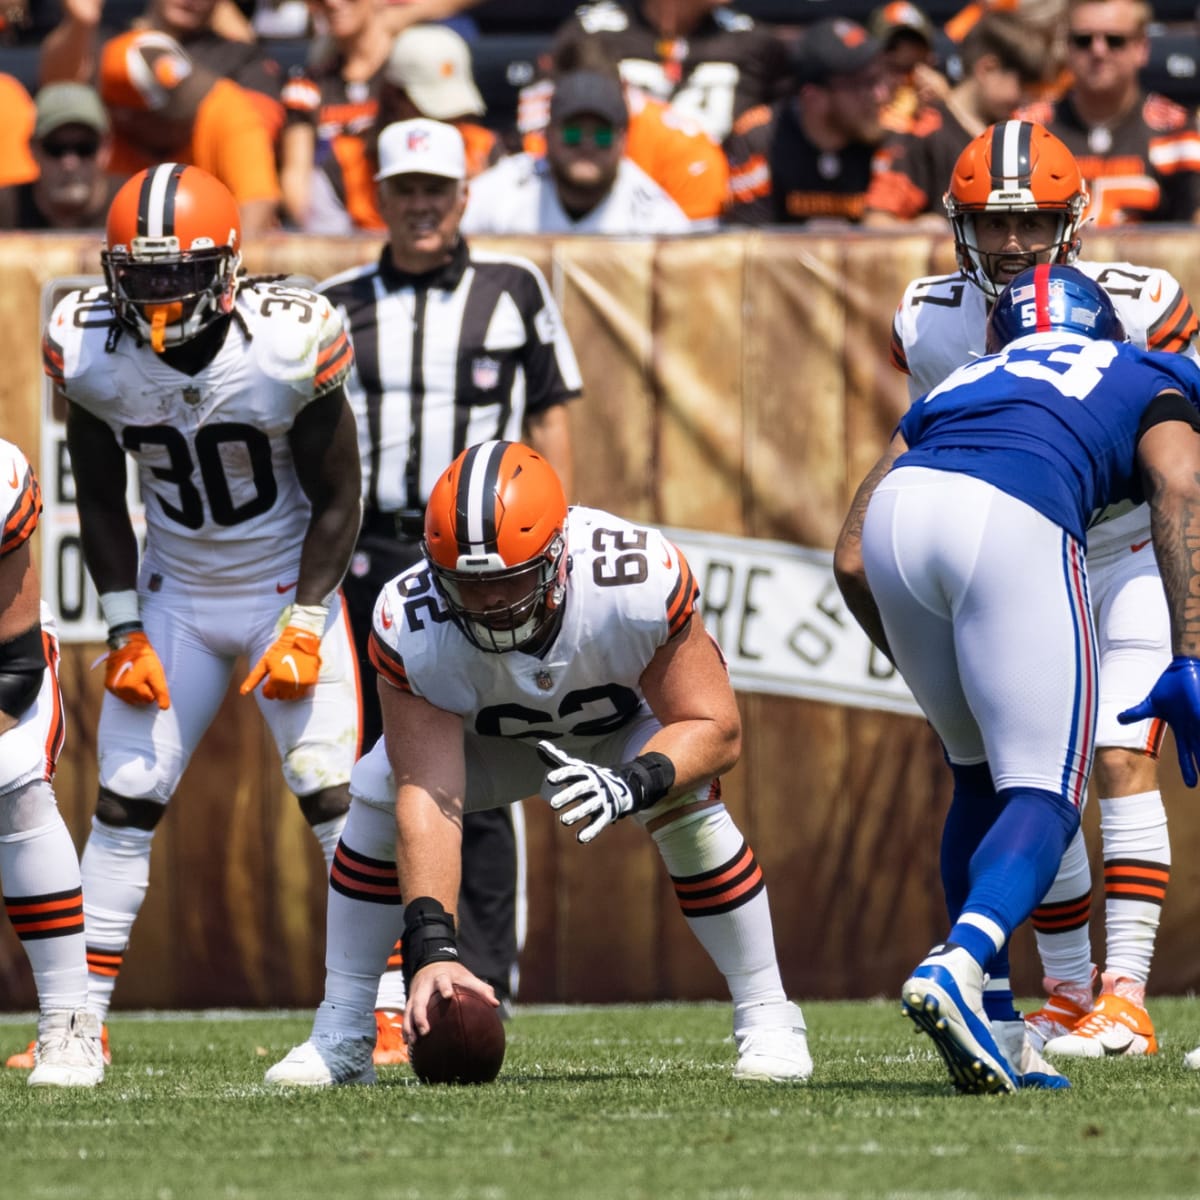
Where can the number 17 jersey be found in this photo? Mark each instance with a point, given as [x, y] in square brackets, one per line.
[222, 498]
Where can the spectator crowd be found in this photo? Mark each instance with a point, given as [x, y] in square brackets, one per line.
[663, 117]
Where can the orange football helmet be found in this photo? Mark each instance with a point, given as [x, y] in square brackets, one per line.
[172, 251]
[495, 536]
[1014, 166]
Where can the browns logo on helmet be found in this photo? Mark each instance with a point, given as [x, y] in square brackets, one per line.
[495, 537]
[1014, 167]
[172, 250]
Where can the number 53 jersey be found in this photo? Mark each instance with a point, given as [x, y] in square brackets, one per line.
[223, 501]
[629, 591]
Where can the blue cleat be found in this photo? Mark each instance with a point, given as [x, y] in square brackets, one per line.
[944, 998]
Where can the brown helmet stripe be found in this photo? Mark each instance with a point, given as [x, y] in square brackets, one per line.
[156, 200]
[475, 498]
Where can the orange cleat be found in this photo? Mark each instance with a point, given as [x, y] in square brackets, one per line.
[23, 1059]
[391, 1050]
[1056, 1018]
[1116, 1026]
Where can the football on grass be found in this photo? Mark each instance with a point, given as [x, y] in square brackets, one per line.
[465, 1042]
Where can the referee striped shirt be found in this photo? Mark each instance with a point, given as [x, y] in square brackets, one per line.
[445, 360]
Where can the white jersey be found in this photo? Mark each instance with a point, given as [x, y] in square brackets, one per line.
[941, 323]
[222, 497]
[518, 195]
[629, 591]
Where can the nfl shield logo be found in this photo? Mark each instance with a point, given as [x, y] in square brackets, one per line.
[191, 396]
[485, 373]
[544, 680]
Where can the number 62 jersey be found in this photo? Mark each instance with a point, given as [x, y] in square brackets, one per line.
[629, 591]
[223, 501]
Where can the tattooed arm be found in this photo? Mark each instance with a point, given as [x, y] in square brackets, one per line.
[848, 566]
[1169, 455]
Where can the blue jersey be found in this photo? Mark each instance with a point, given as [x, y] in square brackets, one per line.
[1052, 419]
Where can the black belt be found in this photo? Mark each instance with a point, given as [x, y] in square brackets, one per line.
[403, 523]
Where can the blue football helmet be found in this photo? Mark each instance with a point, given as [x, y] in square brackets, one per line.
[1051, 298]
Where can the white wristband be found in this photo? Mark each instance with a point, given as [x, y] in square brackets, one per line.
[309, 617]
[120, 608]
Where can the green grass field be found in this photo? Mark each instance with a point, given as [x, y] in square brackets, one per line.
[626, 1102]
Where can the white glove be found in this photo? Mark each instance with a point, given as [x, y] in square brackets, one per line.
[596, 792]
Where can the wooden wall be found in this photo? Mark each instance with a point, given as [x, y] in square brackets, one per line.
[735, 383]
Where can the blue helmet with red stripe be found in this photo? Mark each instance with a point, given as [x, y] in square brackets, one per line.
[1051, 298]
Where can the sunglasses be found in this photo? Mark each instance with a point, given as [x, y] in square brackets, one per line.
[603, 136]
[87, 149]
[1114, 41]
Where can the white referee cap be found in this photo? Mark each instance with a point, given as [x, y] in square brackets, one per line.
[421, 147]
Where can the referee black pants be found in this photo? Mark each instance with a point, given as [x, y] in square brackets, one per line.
[487, 929]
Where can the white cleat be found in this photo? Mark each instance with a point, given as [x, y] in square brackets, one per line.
[326, 1060]
[775, 1053]
[1191, 1060]
[68, 1051]
[1032, 1070]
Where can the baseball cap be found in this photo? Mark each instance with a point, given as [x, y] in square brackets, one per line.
[589, 93]
[60, 104]
[900, 16]
[432, 64]
[835, 46]
[149, 71]
[421, 147]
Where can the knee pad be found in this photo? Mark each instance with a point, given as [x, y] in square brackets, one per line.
[27, 808]
[122, 812]
[326, 805]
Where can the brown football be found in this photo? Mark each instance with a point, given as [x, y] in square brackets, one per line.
[465, 1042]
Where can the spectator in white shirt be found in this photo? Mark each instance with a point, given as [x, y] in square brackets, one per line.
[584, 184]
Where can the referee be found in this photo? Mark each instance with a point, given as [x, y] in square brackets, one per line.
[452, 347]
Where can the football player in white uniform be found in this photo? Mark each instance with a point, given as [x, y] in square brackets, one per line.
[530, 638]
[38, 865]
[228, 394]
[1016, 198]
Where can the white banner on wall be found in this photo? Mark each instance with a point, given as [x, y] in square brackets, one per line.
[777, 613]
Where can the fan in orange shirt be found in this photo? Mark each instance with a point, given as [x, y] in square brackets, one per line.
[164, 107]
[670, 147]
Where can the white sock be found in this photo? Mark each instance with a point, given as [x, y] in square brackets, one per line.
[364, 917]
[116, 873]
[720, 890]
[1137, 867]
[40, 874]
[1060, 922]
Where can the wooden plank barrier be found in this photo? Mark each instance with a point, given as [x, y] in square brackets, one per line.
[738, 384]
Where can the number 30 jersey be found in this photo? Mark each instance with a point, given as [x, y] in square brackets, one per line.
[628, 592]
[223, 501]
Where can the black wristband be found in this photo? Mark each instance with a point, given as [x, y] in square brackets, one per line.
[118, 635]
[428, 936]
[650, 777]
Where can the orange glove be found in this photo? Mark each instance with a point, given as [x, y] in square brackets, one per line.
[133, 673]
[290, 666]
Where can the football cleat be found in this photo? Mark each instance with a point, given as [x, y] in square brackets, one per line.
[68, 1051]
[25, 1060]
[777, 1052]
[944, 998]
[325, 1060]
[1032, 1070]
[391, 1050]
[1191, 1060]
[1116, 1026]
[1056, 1018]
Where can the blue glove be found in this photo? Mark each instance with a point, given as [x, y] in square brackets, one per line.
[1175, 698]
